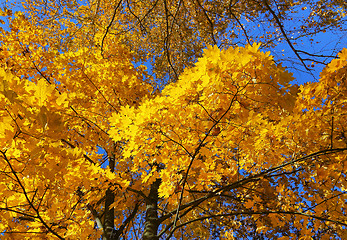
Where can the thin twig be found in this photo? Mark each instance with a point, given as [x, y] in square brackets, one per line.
[109, 26]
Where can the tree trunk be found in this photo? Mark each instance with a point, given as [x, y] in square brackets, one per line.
[109, 199]
[151, 224]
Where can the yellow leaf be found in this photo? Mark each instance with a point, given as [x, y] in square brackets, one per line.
[62, 100]
[43, 91]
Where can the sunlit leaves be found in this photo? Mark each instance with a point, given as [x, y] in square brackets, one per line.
[211, 103]
[231, 148]
[53, 111]
[235, 114]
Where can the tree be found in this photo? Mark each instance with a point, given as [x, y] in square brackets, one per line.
[229, 149]
[170, 34]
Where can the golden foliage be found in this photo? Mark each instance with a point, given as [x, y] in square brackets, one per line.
[231, 147]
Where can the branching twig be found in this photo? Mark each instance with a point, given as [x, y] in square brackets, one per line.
[258, 213]
[280, 25]
[27, 198]
[109, 26]
[167, 40]
[197, 150]
[209, 21]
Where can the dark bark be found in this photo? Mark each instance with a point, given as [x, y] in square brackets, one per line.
[109, 216]
[152, 223]
[109, 199]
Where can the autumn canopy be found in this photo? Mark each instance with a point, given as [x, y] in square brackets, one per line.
[171, 120]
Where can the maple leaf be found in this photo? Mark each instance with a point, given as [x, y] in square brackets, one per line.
[225, 147]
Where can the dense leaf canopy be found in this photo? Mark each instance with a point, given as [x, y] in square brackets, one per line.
[227, 146]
